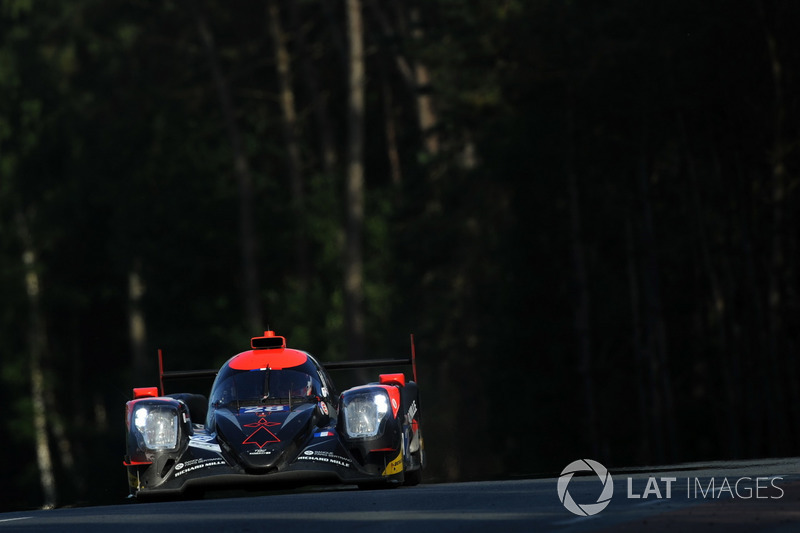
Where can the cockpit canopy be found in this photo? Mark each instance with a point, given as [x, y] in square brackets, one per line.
[243, 388]
[268, 375]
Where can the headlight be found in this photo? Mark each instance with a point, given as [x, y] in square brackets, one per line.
[363, 414]
[158, 426]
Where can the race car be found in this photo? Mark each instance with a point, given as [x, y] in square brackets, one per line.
[273, 418]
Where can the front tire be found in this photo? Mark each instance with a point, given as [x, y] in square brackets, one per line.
[413, 477]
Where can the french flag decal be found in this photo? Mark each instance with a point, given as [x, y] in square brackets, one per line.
[324, 434]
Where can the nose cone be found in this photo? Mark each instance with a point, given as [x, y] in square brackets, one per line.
[264, 435]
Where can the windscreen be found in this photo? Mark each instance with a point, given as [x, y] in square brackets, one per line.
[264, 387]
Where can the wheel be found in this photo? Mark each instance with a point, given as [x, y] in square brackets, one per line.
[413, 477]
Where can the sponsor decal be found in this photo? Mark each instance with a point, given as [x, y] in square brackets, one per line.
[196, 464]
[324, 387]
[261, 436]
[395, 466]
[262, 409]
[259, 451]
[412, 410]
[325, 457]
[324, 408]
[324, 453]
[133, 481]
[204, 442]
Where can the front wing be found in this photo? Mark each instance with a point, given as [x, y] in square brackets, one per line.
[203, 466]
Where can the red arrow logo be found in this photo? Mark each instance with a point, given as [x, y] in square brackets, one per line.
[261, 436]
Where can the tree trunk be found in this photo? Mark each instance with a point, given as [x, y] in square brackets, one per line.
[416, 77]
[251, 288]
[581, 318]
[317, 97]
[639, 352]
[776, 348]
[64, 444]
[354, 189]
[655, 334]
[390, 130]
[426, 111]
[37, 344]
[727, 360]
[755, 317]
[290, 137]
[136, 324]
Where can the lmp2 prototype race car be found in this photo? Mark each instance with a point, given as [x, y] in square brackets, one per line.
[273, 418]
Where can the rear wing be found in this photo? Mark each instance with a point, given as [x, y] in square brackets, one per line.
[180, 374]
[335, 365]
[368, 363]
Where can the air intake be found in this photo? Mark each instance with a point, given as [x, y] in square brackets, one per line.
[269, 341]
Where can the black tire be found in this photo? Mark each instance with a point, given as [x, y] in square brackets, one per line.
[413, 477]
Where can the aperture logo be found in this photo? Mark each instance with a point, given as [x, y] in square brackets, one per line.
[644, 489]
[585, 509]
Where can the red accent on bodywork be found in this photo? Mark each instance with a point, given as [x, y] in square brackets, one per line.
[262, 440]
[383, 450]
[269, 334]
[145, 392]
[393, 379]
[391, 390]
[272, 359]
[394, 398]
[136, 463]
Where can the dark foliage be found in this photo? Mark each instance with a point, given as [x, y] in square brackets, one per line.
[595, 243]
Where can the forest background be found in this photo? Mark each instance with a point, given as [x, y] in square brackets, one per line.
[585, 211]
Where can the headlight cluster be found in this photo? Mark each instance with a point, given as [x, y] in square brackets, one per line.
[158, 426]
[363, 414]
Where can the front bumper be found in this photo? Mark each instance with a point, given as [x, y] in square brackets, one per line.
[204, 466]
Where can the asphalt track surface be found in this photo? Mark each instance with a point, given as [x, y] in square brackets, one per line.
[727, 496]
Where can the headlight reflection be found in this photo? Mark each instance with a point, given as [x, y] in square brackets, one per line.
[158, 426]
[363, 414]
